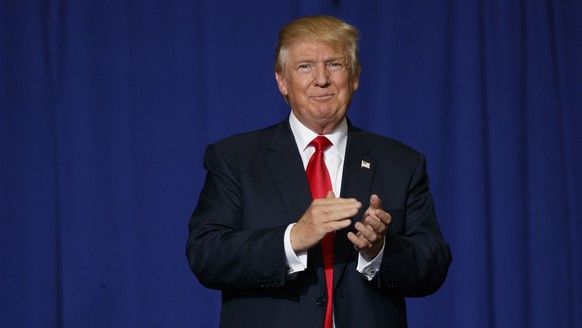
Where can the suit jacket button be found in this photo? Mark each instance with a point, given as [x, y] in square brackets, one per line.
[320, 301]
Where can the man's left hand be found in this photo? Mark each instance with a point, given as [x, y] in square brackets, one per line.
[372, 229]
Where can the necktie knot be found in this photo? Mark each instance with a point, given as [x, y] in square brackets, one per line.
[320, 143]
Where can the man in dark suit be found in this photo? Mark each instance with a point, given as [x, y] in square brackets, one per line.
[257, 232]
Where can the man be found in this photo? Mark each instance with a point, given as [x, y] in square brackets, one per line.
[280, 227]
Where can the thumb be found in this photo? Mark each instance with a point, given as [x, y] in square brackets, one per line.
[375, 202]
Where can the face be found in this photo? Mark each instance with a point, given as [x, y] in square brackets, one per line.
[317, 81]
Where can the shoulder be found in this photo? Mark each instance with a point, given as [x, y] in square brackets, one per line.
[385, 151]
[244, 140]
[379, 143]
[251, 144]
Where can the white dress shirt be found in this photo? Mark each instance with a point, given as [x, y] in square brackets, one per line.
[334, 160]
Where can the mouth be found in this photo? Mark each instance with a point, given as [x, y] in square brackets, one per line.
[323, 97]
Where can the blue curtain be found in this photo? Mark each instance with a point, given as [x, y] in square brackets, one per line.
[106, 107]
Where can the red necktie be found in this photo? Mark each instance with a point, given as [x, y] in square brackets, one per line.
[320, 185]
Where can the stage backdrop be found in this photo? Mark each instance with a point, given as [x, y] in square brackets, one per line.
[108, 105]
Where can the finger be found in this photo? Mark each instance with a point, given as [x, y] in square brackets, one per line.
[378, 214]
[358, 242]
[338, 214]
[328, 204]
[331, 204]
[338, 225]
[375, 205]
[331, 201]
[320, 216]
[330, 194]
[376, 224]
[383, 216]
[366, 232]
[375, 202]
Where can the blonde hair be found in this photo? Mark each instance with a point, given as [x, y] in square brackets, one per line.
[320, 28]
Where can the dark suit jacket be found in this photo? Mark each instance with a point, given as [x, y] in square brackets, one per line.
[256, 186]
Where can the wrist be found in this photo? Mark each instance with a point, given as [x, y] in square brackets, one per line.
[295, 240]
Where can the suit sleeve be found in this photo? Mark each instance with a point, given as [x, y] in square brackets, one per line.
[416, 257]
[220, 252]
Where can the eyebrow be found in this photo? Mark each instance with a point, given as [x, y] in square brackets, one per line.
[312, 60]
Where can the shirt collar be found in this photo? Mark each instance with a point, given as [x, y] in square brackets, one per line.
[303, 135]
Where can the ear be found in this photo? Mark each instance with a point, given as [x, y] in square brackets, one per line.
[355, 84]
[281, 83]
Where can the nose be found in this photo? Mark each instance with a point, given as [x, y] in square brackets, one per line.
[321, 77]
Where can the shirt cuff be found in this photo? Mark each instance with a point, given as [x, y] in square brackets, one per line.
[295, 262]
[369, 267]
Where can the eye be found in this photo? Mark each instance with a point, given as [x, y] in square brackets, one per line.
[305, 67]
[335, 65]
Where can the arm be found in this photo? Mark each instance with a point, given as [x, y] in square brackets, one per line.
[415, 258]
[220, 252]
[415, 261]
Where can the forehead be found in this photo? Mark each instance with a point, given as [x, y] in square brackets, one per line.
[310, 49]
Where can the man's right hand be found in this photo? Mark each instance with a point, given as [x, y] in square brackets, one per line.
[323, 216]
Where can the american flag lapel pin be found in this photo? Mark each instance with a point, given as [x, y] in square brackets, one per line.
[365, 165]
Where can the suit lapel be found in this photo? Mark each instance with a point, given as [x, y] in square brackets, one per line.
[287, 169]
[358, 174]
